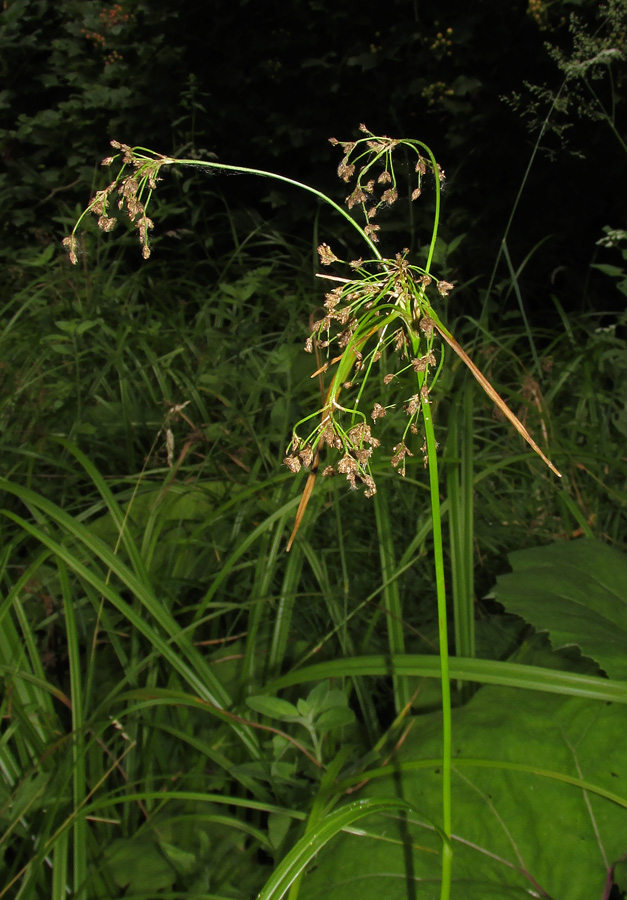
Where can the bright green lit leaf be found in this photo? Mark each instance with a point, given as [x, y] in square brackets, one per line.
[335, 699]
[318, 695]
[303, 708]
[273, 707]
[511, 825]
[575, 591]
[335, 718]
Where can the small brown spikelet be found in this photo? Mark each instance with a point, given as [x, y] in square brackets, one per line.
[106, 223]
[427, 325]
[371, 488]
[345, 170]
[412, 407]
[327, 256]
[358, 196]
[292, 463]
[400, 452]
[306, 456]
[378, 411]
[371, 232]
[390, 196]
[71, 245]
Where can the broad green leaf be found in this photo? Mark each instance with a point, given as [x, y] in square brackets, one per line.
[335, 699]
[318, 694]
[335, 718]
[138, 865]
[522, 825]
[303, 708]
[273, 707]
[577, 592]
[278, 827]
[182, 860]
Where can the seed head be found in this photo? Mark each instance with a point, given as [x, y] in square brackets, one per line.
[413, 406]
[105, 223]
[306, 456]
[427, 325]
[358, 196]
[422, 364]
[346, 170]
[71, 245]
[292, 463]
[421, 166]
[371, 488]
[378, 411]
[371, 232]
[400, 452]
[327, 256]
[390, 196]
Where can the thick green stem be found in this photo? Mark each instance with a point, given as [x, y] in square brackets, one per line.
[438, 558]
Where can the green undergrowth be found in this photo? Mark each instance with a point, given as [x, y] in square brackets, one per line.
[191, 712]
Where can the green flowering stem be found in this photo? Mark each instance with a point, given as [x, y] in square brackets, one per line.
[246, 170]
[438, 558]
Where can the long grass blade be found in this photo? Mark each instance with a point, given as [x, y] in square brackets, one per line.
[481, 671]
[183, 657]
[313, 841]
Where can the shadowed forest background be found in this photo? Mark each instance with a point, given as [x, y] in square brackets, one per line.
[189, 711]
[267, 85]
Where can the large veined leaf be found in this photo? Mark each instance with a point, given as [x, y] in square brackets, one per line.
[577, 592]
[517, 831]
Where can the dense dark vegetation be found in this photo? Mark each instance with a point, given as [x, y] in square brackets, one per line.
[165, 731]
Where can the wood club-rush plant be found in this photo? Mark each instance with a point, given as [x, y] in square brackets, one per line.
[378, 312]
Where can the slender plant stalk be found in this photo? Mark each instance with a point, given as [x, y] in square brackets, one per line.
[438, 558]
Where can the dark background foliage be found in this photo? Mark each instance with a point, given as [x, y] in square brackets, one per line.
[267, 83]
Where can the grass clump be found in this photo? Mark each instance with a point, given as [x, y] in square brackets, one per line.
[203, 706]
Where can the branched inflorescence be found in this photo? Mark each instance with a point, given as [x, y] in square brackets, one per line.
[133, 190]
[381, 310]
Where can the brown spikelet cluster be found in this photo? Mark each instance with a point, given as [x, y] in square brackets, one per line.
[381, 308]
[372, 194]
[130, 191]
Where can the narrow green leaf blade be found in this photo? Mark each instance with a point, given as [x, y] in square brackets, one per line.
[312, 842]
